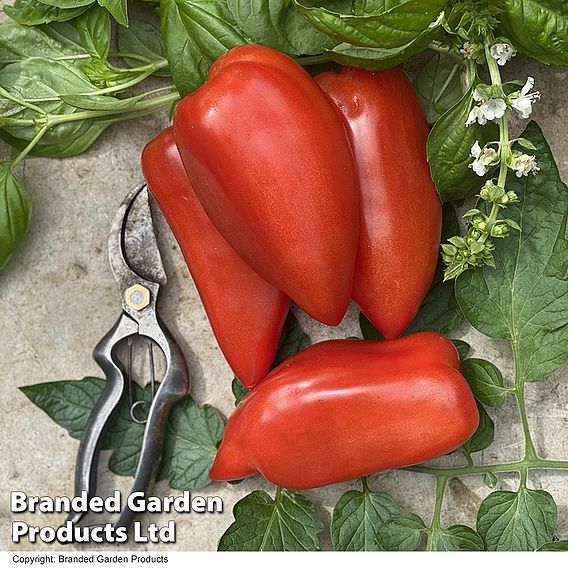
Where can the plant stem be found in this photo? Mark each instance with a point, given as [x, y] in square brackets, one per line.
[436, 516]
[313, 59]
[365, 485]
[30, 146]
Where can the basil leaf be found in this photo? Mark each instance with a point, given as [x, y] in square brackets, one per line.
[117, 8]
[462, 347]
[195, 35]
[404, 532]
[485, 381]
[358, 516]
[94, 30]
[277, 24]
[448, 150]
[438, 86]
[457, 537]
[517, 521]
[537, 28]
[22, 42]
[439, 311]
[239, 390]
[483, 436]
[393, 28]
[66, 34]
[141, 38]
[66, 4]
[555, 546]
[525, 299]
[193, 435]
[377, 58]
[262, 523]
[15, 213]
[84, 138]
[34, 12]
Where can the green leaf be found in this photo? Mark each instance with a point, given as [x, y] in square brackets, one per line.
[448, 150]
[525, 299]
[288, 522]
[292, 340]
[67, 4]
[195, 35]
[538, 28]
[15, 212]
[239, 390]
[141, 38]
[403, 532]
[555, 546]
[117, 8]
[439, 311]
[277, 24]
[462, 347]
[99, 102]
[193, 435]
[34, 12]
[457, 537]
[84, 139]
[517, 521]
[22, 42]
[377, 58]
[438, 86]
[358, 516]
[485, 381]
[393, 28]
[483, 436]
[94, 30]
[490, 479]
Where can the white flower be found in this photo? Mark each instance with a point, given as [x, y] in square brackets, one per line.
[493, 108]
[477, 97]
[475, 116]
[483, 159]
[467, 50]
[524, 164]
[523, 103]
[502, 52]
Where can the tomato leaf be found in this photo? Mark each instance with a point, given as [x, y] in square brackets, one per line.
[525, 298]
[462, 347]
[396, 27]
[538, 28]
[555, 546]
[195, 35]
[438, 86]
[485, 381]
[15, 212]
[517, 521]
[483, 436]
[34, 12]
[192, 434]
[457, 537]
[358, 516]
[239, 390]
[288, 522]
[292, 340]
[279, 25]
[403, 532]
[448, 150]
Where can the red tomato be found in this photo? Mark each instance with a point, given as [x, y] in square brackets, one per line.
[246, 313]
[269, 159]
[342, 409]
[401, 213]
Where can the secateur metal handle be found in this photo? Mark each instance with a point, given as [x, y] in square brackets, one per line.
[139, 318]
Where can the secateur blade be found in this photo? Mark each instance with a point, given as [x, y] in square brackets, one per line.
[139, 273]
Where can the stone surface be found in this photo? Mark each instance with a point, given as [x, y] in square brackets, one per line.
[57, 299]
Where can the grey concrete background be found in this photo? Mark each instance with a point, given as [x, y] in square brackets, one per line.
[57, 298]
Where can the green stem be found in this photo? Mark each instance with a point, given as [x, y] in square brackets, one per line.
[447, 82]
[30, 146]
[313, 59]
[6, 94]
[436, 516]
[365, 485]
[439, 48]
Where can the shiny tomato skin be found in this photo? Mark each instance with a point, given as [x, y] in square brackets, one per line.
[342, 409]
[246, 313]
[269, 158]
[401, 213]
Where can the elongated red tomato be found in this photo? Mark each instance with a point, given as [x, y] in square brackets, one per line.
[246, 313]
[401, 213]
[269, 158]
[342, 409]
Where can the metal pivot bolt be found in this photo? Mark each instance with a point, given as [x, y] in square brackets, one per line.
[137, 297]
